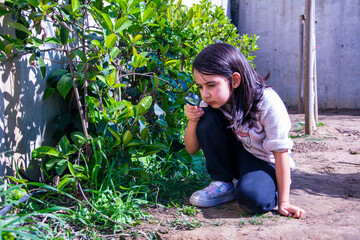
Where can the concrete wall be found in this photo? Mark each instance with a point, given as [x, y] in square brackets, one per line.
[24, 116]
[337, 40]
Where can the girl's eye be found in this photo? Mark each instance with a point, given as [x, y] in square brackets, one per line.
[211, 85]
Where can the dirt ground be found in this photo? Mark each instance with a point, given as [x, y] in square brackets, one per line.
[326, 184]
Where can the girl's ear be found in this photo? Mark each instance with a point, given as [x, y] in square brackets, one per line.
[236, 80]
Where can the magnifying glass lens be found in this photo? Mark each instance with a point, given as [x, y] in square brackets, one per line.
[192, 99]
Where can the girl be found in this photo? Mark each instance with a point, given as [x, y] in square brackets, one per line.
[242, 126]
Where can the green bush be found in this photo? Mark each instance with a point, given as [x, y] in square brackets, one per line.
[127, 69]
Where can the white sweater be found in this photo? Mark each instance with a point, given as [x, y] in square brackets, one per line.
[270, 132]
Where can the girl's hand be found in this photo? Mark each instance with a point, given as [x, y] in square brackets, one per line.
[289, 210]
[193, 112]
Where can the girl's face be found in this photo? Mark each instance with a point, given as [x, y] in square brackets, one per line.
[214, 89]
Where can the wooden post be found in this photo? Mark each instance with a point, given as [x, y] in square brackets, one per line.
[316, 111]
[309, 66]
[301, 64]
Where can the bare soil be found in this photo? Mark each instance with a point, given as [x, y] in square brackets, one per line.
[326, 183]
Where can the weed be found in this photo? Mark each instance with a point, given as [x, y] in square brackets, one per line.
[257, 220]
[320, 124]
[188, 210]
[299, 124]
[185, 223]
[216, 222]
[242, 222]
[300, 136]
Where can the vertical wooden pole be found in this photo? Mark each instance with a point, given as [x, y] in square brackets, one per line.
[316, 111]
[309, 67]
[313, 35]
[301, 64]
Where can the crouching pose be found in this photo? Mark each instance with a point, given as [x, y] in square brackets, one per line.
[242, 126]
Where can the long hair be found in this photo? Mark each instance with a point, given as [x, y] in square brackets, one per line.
[224, 59]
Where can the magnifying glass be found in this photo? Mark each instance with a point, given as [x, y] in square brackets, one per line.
[192, 99]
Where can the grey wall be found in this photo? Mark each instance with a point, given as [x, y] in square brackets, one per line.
[24, 117]
[337, 40]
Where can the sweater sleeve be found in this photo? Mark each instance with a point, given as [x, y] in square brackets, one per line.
[276, 122]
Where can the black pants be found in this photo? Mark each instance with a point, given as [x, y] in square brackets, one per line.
[226, 159]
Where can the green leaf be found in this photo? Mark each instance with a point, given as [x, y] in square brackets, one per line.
[19, 27]
[50, 164]
[108, 21]
[101, 78]
[32, 58]
[111, 40]
[171, 62]
[37, 41]
[148, 14]
[64, 145]
[119, 25]
[34, 3]
[164, 50]
[45, 150]
[81, 55]
[122, 25]
[127, 137]
[96, 43]
[144, 134]
[111, 78]
[64, 182]
[52, 40]
[78, 138]
[115, 134]
[143, 106]
[42, 67]
[151, 65]
[64, 85]
[71, 168]
[64, 35]
[75, 4]
[146, 102]
[48, 93]
[61, 166]
[119, 85]
[114, 52]
[8, 48]
[136, 38]
[115, 107]
[3, 12]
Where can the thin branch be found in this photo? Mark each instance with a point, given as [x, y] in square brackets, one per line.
[76, 91]
[86, 84]
[56, 61]
[53, 49]
[145, 75]
[80, 47]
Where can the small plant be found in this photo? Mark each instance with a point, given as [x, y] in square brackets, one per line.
[242, 222]
[185, 224]
[300, 136]
[218, 222]
[320, 124]
[257, 220]
[188, 210]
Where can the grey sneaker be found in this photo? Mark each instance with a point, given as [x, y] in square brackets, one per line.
[216, 193]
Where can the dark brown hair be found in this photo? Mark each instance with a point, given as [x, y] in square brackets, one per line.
[224, 59]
